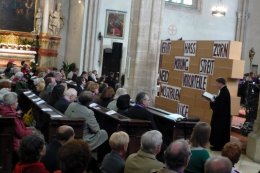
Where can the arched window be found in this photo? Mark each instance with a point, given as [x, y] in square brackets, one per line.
[191, 4]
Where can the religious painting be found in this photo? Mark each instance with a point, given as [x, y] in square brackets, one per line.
[17, 15]
[115, 23]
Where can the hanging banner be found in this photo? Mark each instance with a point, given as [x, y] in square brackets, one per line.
[190, 48]
[207, 66]
[163, 75]
[181, 63]
[220, 49]
[183, 110]
[195, 81]
[166, 47]
[170, 92]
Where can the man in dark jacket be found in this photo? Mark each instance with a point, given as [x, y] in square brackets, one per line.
[63, 103]
[139, 111]
[64, 134]
[221, 117]
[110, 80]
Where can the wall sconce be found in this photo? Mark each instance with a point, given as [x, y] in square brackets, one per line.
[219, 10]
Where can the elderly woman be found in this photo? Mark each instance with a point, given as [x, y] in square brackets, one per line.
[112, 105]
[92, 134]
[114, 161]
[199, 141]
[5, 87]
[39, 85]
[8, 109]
[19, 82]
[31, 150]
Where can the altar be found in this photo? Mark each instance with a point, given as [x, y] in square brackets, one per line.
[18, 47]
[17, 56]
[15, 48]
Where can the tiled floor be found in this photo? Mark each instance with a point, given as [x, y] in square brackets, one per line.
[245, 165]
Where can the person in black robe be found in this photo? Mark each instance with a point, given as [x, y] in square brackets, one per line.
[221, 117]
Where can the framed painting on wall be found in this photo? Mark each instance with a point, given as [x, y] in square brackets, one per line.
[115, 24]
[17, 15]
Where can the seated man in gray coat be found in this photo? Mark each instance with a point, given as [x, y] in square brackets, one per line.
[144, 160]
[92, 133]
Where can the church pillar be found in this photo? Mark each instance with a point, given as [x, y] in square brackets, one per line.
[241, 23]
[253, 142]
[45, 20]
[90, 32]
[144, 46]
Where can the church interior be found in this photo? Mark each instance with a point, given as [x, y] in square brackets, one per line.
[87, 67]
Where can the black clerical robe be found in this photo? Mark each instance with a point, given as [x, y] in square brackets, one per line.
[221, 119]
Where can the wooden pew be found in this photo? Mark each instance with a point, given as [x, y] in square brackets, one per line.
[76, 124]
[70, 83]
[170, 128]
[117, 122]
[7, 130]
[47, 118]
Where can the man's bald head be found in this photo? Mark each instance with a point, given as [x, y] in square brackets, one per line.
[65, 133]
[218, 165]
[177, 155]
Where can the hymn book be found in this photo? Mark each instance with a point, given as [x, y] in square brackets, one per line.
[209, 96]
[175, 117]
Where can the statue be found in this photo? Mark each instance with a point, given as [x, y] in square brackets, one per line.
[251, 56]
[56, 20]
[38, 21]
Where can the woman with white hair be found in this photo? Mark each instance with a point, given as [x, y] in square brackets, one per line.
[8, 109]
[112, 104]
[19, 82]
[18, 76]
[39, 84]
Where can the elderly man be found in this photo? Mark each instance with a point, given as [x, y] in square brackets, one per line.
[139, 111]
[92, 134]
[114, 161]
[177, 157]
[63, 103]
[144, 160]
[64, 134]
[218, 165]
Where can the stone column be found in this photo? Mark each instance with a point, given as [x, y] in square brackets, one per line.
[90, 35]
[241, 23]
[144, 46]
[253, 142]
[45, 20]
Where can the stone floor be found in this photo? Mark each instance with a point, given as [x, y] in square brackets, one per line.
[245, 165]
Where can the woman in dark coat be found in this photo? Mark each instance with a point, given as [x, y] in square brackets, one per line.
[221, 117]
[56, 94]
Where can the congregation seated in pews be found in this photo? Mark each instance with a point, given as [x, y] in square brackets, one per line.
[92, 110]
